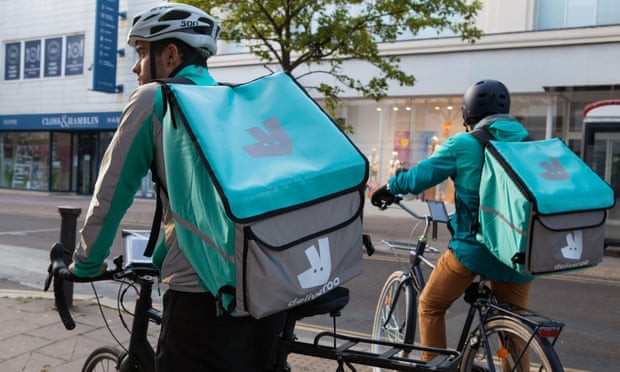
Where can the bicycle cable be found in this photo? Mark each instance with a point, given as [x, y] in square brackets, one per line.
[398, 258]
[107, 325]
[120, 301]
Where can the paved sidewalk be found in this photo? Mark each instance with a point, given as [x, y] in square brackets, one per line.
[33, 339]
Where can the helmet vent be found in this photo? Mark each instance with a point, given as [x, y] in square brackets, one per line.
[175, 15]
[149, 17]
[203, 30]
[157, 29]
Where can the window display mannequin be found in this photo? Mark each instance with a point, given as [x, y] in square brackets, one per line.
[395, 164]
[373, 162]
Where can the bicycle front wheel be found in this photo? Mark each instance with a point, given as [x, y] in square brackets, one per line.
[511, 347]
[103, 359]
[395, 316]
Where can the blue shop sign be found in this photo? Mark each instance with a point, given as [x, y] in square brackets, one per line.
[69, 121]
[106, 35]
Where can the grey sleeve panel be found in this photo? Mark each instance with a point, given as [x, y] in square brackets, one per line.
[125, 163]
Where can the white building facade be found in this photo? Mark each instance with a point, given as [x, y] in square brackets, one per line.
[555, 56]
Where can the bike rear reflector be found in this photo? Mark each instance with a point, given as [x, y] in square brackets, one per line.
[548, 332]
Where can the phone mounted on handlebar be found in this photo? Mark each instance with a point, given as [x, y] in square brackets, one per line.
[438, 211]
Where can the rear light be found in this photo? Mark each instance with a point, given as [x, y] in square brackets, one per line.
[549, 332]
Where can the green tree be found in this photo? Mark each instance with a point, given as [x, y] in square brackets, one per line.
[321, 34]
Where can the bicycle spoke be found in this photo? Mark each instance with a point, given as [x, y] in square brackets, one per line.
[509, 346]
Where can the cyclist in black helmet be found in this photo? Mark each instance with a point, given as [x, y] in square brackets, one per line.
[485, 104]
[171, 40]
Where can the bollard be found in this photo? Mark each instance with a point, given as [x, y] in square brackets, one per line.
[68, 226]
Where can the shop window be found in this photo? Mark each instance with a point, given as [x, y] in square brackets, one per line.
[25, 160]
[61, 162]
[554, 14]
[6, 159]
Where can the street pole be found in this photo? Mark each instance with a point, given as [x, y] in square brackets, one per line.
[68, 227]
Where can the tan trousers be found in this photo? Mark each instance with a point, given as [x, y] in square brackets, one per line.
[447, 283]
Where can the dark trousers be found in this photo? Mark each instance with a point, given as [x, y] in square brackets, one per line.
[193, 338]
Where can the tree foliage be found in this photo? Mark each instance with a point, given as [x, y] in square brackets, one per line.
[321, 34]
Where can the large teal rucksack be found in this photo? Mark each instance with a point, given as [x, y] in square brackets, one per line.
[542, 209]
[266, 193]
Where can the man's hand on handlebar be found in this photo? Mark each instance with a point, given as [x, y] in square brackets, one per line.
[382, 198]
[104, 268]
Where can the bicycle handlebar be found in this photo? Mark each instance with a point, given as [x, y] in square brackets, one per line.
[399, 198]
[58, 272]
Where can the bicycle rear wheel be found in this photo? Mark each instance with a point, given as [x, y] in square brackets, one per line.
[103, 359]
[395, 316]
[506, 341]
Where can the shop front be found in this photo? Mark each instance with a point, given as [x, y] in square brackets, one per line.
[399, 132]
[54, 152]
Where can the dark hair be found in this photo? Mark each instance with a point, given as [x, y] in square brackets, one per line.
[191, 56]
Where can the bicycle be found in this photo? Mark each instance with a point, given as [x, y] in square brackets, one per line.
[494, 335]
[343, 349]
[139, 355]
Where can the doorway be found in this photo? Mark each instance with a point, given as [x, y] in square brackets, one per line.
[86, 164]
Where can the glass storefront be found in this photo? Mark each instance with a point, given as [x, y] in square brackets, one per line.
[394, 133]
[400, 132]
[61, 162]
[52, 161]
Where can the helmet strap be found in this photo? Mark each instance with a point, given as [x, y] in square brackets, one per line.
[152, 58]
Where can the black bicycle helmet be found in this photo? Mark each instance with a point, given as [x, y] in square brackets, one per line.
[484, 98]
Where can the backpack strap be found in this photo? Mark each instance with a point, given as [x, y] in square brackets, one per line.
[483, 136]
[159, 186]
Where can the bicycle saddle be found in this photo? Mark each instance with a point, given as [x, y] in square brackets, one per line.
[331, 302]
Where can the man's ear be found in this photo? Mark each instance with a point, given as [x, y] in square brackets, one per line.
[172, 55]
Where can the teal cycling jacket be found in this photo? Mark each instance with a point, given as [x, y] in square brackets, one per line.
[460, 158]
[136, 145]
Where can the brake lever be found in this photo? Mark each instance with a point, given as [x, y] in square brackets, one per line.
[55, 253]
[48, 280]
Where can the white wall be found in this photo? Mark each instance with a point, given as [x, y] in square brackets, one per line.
[526, 61]
[41, 19]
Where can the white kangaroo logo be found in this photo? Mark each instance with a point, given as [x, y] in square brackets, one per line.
[320, 265]
[574, 247]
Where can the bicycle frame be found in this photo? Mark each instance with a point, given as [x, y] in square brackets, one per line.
[416, 256]
[340, 347]
[140, 351]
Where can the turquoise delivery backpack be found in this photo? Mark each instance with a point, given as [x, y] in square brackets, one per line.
[266, 193]
[542, 209]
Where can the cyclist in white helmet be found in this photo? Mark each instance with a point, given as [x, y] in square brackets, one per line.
[171, 40]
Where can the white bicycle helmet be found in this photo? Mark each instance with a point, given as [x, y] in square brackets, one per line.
[179, 21]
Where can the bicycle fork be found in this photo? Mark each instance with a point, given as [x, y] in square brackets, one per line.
[409, 336]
